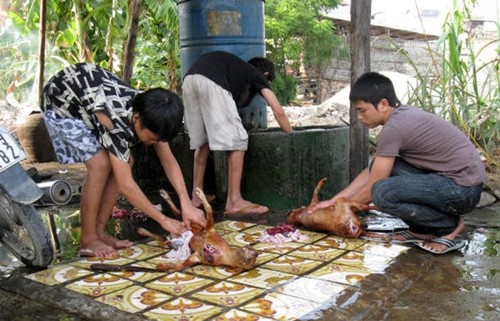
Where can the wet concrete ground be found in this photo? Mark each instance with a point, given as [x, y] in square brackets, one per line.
[463, 285]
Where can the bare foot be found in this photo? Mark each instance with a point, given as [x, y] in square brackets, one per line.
[97, 248]
[438, 248]
[114, 242]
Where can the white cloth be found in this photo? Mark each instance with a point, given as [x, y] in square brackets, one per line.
[281, 238]
[181, 252]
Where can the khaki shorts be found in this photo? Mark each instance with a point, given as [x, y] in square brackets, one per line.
[211, 116]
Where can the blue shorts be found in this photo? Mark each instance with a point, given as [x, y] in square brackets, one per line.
[73, 141]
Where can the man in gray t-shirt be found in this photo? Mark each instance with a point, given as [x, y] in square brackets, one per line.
[425, 170]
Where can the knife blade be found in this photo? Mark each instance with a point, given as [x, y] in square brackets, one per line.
[121, 268]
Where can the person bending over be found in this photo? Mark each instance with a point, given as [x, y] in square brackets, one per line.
[94, 117]
[214, 87]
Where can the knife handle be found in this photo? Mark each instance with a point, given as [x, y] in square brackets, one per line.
[105, 267]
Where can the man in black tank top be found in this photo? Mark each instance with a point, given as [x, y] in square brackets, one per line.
[214, 88]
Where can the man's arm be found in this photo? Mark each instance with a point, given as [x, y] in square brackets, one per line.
[381, 168]
[133, 193]
[360, 188]
[278, 111]
[174, 174]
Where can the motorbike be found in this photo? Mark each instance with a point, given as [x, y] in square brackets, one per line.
[22, 230]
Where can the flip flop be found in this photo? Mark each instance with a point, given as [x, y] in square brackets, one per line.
[86, 253]
[408, 238]
[246, 211]
[451, 245]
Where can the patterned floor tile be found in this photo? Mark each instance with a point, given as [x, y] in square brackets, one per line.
[99, 284]
[312, 236]
[233, 226]
[367, 261]
[87, 262]
[316, 290]
[280, 248]
[280, 307]
[58, 274]
[240, 239]
[341, 242]
[237, 315]
[258, 229]
[155, 243]
[383, 249]
[138, 276]
[141, 251]
[178, 283]
[134, 299]
[216, 272]
[265, 257]
[339, 273]
[291, 264]
[160, 259]
[184, 309]
[227, 294]
[290, 279]
[316, 252]
[262, 278]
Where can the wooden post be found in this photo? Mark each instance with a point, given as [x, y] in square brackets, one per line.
[41, 49]
[360, 63]
[135, 9]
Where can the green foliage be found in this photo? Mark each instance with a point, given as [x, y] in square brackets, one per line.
[95, 31]
[92, 31]
[157, 62]
[462, 84]
[285, 88]
[298, 33]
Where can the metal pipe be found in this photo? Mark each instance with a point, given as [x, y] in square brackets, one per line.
[55, 193]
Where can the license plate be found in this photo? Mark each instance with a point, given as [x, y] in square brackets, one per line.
[10, 152]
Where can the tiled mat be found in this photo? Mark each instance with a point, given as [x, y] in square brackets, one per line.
[289, 280]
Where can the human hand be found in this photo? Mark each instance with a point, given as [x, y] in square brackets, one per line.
[175, 227]
[320, 205]
[192, 214]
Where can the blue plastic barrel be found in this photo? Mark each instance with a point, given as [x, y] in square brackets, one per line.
[235, 26]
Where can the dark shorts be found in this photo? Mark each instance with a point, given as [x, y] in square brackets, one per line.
[73, 141]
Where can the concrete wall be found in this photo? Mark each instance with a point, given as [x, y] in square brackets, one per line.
[385, 56]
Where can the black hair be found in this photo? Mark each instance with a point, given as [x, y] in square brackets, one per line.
[372, 87]
[161, 111]
[265, 66]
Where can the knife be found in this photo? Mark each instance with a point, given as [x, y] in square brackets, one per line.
[121, 268]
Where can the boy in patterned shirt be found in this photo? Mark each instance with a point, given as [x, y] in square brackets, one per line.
[94, 117]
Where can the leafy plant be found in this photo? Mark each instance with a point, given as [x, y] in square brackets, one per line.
[91, 31]
[158, 61]
[462, 83]
[297, 33]
[285, 87]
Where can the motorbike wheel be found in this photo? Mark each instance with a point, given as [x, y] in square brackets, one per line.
[24, 234]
